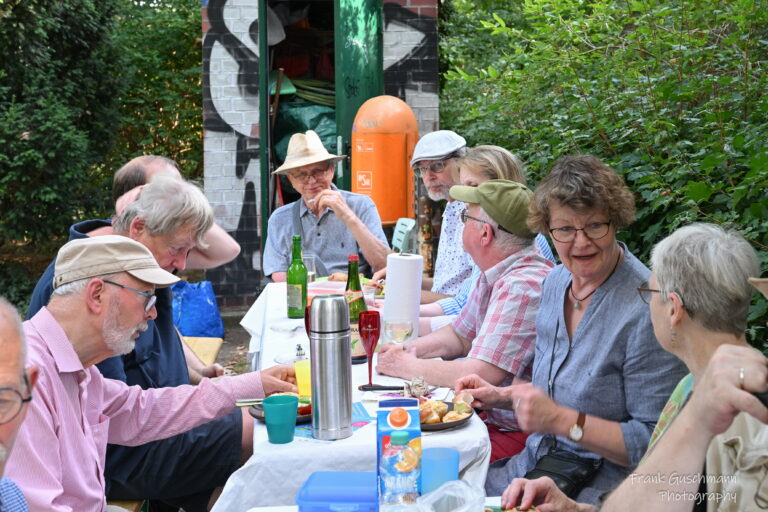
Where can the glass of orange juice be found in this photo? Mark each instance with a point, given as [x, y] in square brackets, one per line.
[303, 377]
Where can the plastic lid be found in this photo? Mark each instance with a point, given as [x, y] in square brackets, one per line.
[400, 437]
[353, 257]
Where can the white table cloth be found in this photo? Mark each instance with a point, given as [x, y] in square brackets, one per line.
[275, 473]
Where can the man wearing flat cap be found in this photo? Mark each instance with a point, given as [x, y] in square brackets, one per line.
[103, 299]
[496, 329]
[332, 223]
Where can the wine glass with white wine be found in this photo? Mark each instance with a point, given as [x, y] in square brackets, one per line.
[398, 330]
[309, 262]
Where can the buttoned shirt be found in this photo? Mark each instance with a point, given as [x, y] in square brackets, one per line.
[58, 458]
[452, 305]
[453, 264]
[324, 236]
[500, 318]
[612, 367]
[11, 499]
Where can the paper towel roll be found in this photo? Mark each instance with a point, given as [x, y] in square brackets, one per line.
[403, 295]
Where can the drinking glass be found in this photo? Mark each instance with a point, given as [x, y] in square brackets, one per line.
[370, 326]
[397, 331]
[309, 262]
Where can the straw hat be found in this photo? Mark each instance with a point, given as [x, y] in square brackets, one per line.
[761, 284]
[305, 149]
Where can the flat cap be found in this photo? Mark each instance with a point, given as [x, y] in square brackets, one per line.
[437, 145]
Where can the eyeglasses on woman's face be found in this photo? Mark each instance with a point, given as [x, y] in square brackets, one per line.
[646, 294]
[593, 231]
[11, 402]
[151, 299]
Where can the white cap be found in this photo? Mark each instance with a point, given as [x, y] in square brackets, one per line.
[437, 145]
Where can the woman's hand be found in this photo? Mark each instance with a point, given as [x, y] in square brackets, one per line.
[535, 411]
[541, 493]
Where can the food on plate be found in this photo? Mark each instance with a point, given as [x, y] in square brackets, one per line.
[455, 416]
[436, 411]
[463, 402]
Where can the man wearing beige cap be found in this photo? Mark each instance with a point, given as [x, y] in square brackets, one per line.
[496, 329]
[104, 296]
[332, 223]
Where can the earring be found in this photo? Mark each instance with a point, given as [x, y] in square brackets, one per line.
[673, 337]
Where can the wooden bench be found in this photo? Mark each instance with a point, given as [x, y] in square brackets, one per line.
[207, 349]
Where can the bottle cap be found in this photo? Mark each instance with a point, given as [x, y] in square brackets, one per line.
[353, 257]
[400, 437]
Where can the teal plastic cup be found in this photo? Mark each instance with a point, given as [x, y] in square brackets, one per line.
[280, 417]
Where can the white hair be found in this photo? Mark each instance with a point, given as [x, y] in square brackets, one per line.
[708, 268]
[168, 204]
[78, 286]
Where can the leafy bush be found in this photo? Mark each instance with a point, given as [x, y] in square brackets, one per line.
[671, 94]
[58, 80]
[161, 110]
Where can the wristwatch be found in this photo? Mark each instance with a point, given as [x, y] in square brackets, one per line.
[577, 430]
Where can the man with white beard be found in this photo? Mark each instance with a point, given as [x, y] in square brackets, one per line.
[16, 385]
[434, 161]
[103, 299]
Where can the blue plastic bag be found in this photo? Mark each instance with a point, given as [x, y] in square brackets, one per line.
[195, 312]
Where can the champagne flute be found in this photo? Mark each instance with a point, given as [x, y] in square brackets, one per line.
[370, 325]
[398, 331]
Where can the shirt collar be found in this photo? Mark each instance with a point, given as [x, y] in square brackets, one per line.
[514, 260]
[55, 338]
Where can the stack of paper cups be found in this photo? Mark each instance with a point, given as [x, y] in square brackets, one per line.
[403, 295]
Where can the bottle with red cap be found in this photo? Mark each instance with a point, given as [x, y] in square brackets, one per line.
[354, 293]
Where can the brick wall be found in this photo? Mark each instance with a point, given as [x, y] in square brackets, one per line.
[231, 114]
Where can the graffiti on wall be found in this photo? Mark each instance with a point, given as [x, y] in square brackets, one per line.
[231, 100]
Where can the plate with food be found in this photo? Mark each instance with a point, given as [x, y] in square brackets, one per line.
[303, 415]
[440, 415]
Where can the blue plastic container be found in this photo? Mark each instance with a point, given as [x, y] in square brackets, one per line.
[339, 491]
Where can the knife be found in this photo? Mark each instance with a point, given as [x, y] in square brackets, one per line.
[379, 387]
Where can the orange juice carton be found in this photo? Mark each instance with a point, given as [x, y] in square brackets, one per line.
[398, 451]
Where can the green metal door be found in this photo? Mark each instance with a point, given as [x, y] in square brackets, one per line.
[359, 67]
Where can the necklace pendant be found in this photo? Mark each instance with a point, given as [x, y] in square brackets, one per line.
[577, 305]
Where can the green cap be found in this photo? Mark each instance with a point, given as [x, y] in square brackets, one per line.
[400, 437]
[505, 201]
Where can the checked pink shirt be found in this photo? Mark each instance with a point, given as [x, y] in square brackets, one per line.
[58, 458]
[500, 318]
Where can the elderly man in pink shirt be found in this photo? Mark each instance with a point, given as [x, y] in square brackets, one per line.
[103, 297]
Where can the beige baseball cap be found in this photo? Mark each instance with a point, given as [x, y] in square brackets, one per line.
[101, 255]
[761, 283]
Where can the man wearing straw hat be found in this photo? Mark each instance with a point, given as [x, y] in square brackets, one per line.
[104, 297]
[332, 223]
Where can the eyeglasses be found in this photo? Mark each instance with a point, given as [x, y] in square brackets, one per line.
[11, 402]
[646, 293]
[594, 231]
[464, 216]
[151, 299]
[436, 168]
[316, 173]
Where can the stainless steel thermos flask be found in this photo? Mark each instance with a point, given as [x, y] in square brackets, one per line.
[331, 362]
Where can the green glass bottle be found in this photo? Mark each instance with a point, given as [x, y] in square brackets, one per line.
[354, 293]
[296, 279]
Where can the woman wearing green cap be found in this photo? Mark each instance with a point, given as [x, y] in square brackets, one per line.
[600, 379]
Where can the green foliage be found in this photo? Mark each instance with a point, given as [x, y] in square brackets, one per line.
[671, 94]
[162, 107]
[58, 79]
